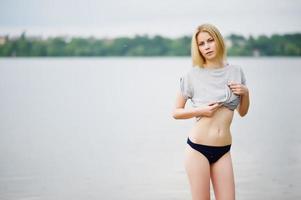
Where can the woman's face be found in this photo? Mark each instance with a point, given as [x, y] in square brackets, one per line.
[207, 45]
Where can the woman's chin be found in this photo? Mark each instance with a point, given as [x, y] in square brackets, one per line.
[210, 57]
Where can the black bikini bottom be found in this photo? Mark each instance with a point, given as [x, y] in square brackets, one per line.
[212, 153]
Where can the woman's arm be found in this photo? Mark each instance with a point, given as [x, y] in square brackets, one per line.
[180, 112]
[243, 107]
[243, 91]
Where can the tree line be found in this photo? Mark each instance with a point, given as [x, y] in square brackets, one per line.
[144, 45]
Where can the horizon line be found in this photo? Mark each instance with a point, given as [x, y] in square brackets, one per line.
[131, 35]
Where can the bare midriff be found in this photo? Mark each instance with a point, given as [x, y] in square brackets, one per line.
[214, 130]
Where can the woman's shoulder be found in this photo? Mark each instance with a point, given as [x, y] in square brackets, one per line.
[190, 72]
[234, 68]
[237, 71]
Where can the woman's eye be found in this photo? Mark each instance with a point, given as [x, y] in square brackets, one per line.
[201, 44]
[211, 40]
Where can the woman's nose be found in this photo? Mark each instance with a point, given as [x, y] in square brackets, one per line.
[206, 46]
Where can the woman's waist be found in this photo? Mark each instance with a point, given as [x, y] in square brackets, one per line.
[212, 135]
[215, 129]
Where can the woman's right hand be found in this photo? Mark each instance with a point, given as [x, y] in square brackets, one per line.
[209, 110]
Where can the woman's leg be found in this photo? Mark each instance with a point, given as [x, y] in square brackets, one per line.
[198, 171]
[222, 178]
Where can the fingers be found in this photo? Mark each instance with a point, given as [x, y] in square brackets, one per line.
[212, 103]
[236, 88]
[215, 106]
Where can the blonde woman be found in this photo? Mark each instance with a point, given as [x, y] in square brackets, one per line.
[215, 88]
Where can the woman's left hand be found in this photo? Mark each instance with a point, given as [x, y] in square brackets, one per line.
[238, 89]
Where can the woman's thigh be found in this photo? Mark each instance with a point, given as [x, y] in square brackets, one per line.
[198, 171]
[222, 178]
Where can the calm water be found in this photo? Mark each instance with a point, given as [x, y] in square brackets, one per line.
[101, 128]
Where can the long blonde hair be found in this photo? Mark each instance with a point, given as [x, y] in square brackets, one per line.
[197, 58]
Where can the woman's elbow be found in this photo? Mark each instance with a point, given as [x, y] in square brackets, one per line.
[243, 113]
[175, 114]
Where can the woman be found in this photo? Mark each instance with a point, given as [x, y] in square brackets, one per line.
[215, 89]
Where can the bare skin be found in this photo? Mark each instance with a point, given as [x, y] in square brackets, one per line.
[215, 130]
[212, 129]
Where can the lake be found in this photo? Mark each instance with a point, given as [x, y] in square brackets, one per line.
[101, 128]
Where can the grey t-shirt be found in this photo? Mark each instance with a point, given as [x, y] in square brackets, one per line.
[204, 86]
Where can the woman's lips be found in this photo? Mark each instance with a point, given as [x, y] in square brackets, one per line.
[209, 52]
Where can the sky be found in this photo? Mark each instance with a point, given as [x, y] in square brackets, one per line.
[170, 18]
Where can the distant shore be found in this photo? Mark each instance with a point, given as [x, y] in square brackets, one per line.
[237, 45]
